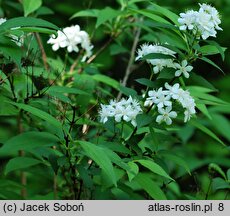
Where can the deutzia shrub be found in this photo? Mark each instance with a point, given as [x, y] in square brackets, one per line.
[68, 123]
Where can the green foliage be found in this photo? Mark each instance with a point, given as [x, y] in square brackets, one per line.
[31, 6]
[52, 128]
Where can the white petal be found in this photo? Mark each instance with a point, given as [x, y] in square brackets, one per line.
[168, 121]
[178, 73]
[159, 119]
[173, 114]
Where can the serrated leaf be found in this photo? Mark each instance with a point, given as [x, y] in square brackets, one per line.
[27, 141]
[20, 163]
[30, 6]
[98, 155]
[150, 186]
[154, 167]
[39, 113]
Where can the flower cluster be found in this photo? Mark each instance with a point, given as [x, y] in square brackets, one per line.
[71, 38]
[163, 100]
[202, 23]
[158, 64]
[126, 110]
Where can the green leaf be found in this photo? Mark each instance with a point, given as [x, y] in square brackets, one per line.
[220, 49]
[204, 110]
[154, 167]
[205, 130]
[157, 56]
[26, 22]
[116, 49]
[106, 14]
[221, 124]
[127, 91]
[10, 50]
[68, 90]
[228, 175]
[98, 155]
[86, 13]
[151, 15]
[215, 168]
[219, 183]
[27, 141]
[165, 12]
[150, 186]
[107, 80]
[134, 169]
[146, 82]
[212, 63]
[36, 29]
[39, 113]
[30, 6]
[20, 163]
[143, 120]
[175, 158]
[212, 50]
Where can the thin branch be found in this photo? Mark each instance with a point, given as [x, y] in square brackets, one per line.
[100, 50]
[44, 57]
[128, 70]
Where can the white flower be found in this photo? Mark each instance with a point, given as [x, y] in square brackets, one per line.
[187, 20]
[105, 112]
[173, 90]
[203, 23]
[159, 97]
[126, 110]
[71, 38]
[163, 100]
[158, 64]
[166, 115]
[59, 41]
[183, 68]
[215, 17]
[2, 20]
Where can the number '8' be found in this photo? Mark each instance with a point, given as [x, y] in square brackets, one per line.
[221, 207]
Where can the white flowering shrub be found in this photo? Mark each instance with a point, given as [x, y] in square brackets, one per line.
[111, 104]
